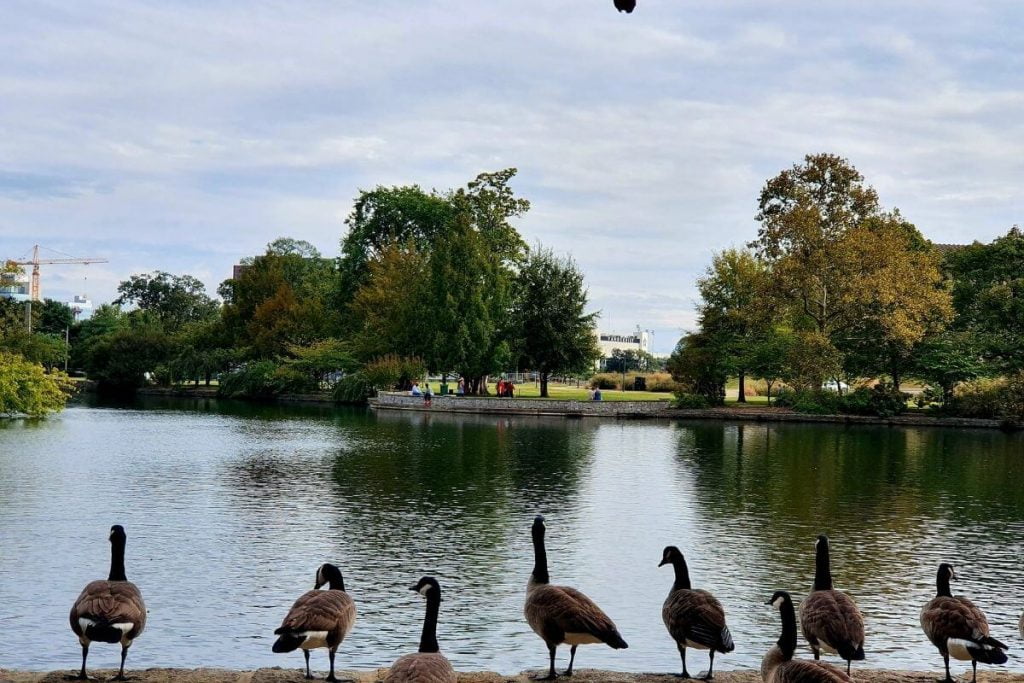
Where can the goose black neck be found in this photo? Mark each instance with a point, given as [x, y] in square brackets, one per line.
[428, 641]
[942, 583]
[787, 641]
[682, 573]
[117, 560]
[337, 582]
[822, 569]
[540, 558]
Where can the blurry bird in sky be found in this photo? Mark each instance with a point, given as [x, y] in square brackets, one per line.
[626, 6]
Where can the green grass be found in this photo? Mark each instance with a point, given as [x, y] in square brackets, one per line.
[571, 392]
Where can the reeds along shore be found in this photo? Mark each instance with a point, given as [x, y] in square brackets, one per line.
[112, 611]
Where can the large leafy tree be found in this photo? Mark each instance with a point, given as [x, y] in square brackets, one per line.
[26, 389]
[174, 300]
[556, 333]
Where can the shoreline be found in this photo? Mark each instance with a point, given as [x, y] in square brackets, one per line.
[295, 675]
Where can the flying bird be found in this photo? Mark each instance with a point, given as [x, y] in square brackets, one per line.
[626, 6]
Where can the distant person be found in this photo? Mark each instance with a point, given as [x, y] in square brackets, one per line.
[461, 389]
[500, 388]
[415, 389]
[510, 389]
[597, 394]
[428, 394]
[590, 394]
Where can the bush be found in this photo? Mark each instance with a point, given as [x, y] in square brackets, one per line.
[882, 400]
[981, 398]
[656, 381]
[605, 380]
[353, 388]
[690, 401]
[392, 371]
[27, 389]
[253, 380]
[809, 402]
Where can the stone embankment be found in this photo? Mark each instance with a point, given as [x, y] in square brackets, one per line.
[521, 406]
[278, 675]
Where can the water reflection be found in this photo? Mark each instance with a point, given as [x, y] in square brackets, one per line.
[231, 506]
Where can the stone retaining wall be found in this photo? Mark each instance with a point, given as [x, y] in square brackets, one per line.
[521, 406]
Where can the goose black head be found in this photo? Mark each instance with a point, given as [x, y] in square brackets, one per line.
[117, 534]
[822, 543]
[778, 599]
[626, 6]
[669, 555]
[947, 572]
[427, 587]
[538, 527]
[327, 573]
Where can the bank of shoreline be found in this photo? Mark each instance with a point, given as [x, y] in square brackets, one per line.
[538, 407]
[295, 675]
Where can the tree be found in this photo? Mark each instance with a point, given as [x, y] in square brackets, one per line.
[27, 389]
[320, 360]
[700, 366]
[174, 300]
[555, 333]
[120, 361]
[54, 317]
[733, 292]
[949, 358]
[767, 354]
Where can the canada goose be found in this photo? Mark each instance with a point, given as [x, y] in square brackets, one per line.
[318, 618]
[830, 619]
[428, 665]
[778, 665]
[956, 627]
[626, 6]
[560, 614]
[694, 618]
[110, 611]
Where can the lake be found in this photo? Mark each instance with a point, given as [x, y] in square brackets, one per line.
[230, 507]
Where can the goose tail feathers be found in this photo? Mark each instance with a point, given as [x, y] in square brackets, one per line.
[103, 632]
[288, 641]
[614, 640]
[850, 653]
[725, 643]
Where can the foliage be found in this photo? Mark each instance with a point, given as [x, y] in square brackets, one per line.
[321, 360]
[690, 401]
[174, 300]
[54, 318]
[767, 355]
[989, 398]
[808, 401]
[392, 371]
[605, 381]
[882, 400]
[657, 382]
[554, 333]
[354, 388]
[390, 306]
[120, 360]
[947, 359]
[27, 389]
[630, 359]
[698, 364]
[255, 379]
[810, 358]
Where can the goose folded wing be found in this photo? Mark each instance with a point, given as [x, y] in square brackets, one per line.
[318, 611]
[832, 617]
[111, 602]
[574, 612]
[697, 616]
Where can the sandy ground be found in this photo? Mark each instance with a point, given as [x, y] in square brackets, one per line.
[278, 675]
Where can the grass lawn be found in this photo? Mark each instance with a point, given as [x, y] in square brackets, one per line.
[569, 392]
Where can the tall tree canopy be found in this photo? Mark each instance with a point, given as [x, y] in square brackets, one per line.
[174, 300]
[556, 334]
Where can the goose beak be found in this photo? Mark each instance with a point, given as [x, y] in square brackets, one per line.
[414, 588]
[767, 602]
[662, 563]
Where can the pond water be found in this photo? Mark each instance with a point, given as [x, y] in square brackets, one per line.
[230, 507]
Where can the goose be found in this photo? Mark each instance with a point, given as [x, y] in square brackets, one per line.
[110, 611]
[830, 619]
[958, 628]
[428, 665]
[559, 614]
[694, 618]
[778, 665]
[318, 618]
[626, 6]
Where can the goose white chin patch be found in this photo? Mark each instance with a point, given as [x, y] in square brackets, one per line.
[777, 602]
[426, 589]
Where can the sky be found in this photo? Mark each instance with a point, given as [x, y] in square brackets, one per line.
[183, 136]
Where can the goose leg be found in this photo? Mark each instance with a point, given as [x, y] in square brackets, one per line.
[330, 656]
[974, 669]
[948, 678]
[309, 676]
[124, 655]
[709, 674]
[817, 653]
[552, 675]
[682, 655]
[572, 658]
[848, 661]
[85, 653]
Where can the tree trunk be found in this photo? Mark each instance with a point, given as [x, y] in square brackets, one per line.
[543, 384]
[896, 380]
[742, 398]
[769, 391]
[208, 374]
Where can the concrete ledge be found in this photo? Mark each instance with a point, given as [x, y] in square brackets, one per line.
[520, 406]
[769, 415]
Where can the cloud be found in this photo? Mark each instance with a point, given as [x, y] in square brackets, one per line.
[184, 136]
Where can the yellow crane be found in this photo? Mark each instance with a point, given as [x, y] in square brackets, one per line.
[35, 262]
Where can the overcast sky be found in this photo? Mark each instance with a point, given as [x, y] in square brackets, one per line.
[183, 136]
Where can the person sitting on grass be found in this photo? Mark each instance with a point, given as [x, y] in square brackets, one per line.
[597, 394]
[415, 389]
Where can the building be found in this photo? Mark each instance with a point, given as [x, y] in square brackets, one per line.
[608, 343]
[16, 286]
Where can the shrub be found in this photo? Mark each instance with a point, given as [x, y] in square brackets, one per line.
[662, 382]
[981, 398]
[353, 388]
[253, 380]
[27, 389]
[605, 380]
[690, 401]
[807, 401]
[392, 371]
[882, 400]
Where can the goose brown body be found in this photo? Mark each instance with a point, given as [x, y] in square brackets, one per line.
[693, 617]
[560, 614]
[830, 619]
[319, 618]
[778, 665]
[110, 611]
[958, 628]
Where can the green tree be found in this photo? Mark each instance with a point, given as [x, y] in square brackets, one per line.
[701, 366]
[945, 360]
[27, 389]
[174, 300]
[767, 354]
[54, 318]
[120, 361]
[556, 334]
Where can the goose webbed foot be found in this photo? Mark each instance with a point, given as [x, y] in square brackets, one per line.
[705, 676]
[685, 675]
[567, 673]
[78, 677]
[549, 677]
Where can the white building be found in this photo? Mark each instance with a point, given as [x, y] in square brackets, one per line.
[15, 286]
[640, 340]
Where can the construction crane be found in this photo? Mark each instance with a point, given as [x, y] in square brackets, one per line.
[35, 262]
